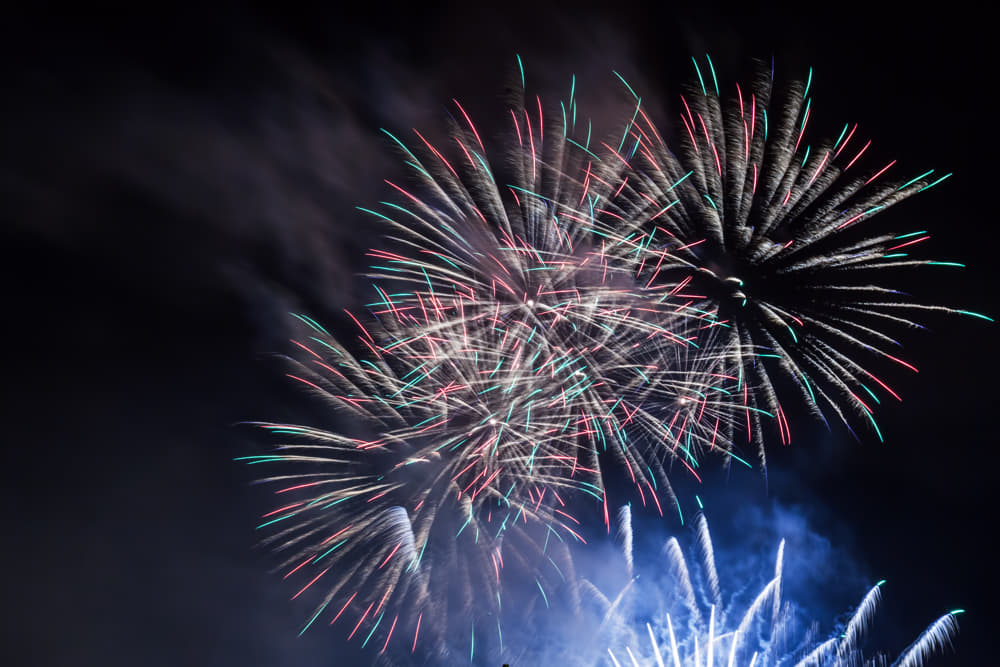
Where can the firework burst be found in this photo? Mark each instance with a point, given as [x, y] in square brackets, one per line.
[509, 358]
[542, 299]
[772, 235]
[583, 306]
[687, 621]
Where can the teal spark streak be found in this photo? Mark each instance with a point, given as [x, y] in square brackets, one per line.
[401, 144]
[630, 124]
[809, 387]
[386, 268]
[457, 445]
[543, 593]
[463, 525]
[733, 456]
[311, 322]
[527, 192]
[375, 213]
[681, 180]
[486, 167]
[274, 521]
[583, 148]
[909, 183]
[521, 67]
[715, 80]
[429, 419]
[418, 168]
[315, 616]
[326, 345]
[808, 83]
[335, 502]
[622, 79]
[700, 80]
[934, 183]
[317, 501]
[972, 314]
[363, 644]
[906, 236]
[842, 133]
[872, 420]
[503, 525]
[334, 547]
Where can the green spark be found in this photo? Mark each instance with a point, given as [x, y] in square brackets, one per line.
[701, 81]
[712, 67]
[622, 79]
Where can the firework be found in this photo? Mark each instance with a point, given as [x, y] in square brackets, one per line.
[772, 235]
[399, 527]
[687, 620]
[585, 305]
[509, 358]
[526, 284]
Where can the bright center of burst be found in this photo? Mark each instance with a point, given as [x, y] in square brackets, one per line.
[531, 303]
[493, 421]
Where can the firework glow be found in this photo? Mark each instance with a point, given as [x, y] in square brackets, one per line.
[510, 358]
[688, 621]
[584, 308]
[775, 236]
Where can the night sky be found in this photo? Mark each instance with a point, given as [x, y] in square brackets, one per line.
[174, 183]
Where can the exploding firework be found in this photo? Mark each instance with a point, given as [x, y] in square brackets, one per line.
[577, 308]
[686, 620]
[398, 529]
[509, 359]
[773, 236]
[538, 275]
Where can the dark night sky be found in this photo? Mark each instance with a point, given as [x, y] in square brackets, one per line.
[173, 183]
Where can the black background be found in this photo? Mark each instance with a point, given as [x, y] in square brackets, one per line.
[140, 309]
